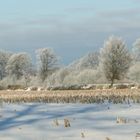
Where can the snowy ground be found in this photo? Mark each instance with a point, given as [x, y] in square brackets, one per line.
[96, 122]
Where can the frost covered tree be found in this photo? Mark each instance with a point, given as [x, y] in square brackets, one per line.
[115, 59]
[4, 57]
[88, 76]
[136, 50]
[134, 72]
[58, 77]
[47, 62]
[89, 61]
[18, 65]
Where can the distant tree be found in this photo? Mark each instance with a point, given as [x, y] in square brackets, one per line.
[136, 50]
[92, 60]
[4, 57]
[89, 61]
[134, 72]
[19, 65]
[47, 62]
[88, 76]
[115, 59]
[57, 78]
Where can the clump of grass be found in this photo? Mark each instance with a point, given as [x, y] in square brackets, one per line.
[136, 121]
[56, 123]
[121, 120]
[137, 135]
[67, 123]
[82, 135]
[107, 138]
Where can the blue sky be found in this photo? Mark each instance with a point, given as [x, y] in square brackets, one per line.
[71, 27]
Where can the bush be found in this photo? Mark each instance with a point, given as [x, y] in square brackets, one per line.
[70, 87]
[2, 88]
[15, 87]
[121, 86]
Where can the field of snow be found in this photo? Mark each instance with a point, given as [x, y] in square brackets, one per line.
[39, 121]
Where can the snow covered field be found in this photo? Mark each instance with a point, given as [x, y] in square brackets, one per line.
[38, 121]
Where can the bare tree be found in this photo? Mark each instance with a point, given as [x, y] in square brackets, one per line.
[47, 62]
[115, 59]
[19, 65]
[4, 57]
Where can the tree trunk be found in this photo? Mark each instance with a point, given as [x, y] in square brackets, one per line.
[112, 82]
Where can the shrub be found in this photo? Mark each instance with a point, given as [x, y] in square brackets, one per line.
[15, 87]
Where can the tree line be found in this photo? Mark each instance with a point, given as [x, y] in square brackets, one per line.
[113, 63]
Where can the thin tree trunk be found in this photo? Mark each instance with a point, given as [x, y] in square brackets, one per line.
[112, 82]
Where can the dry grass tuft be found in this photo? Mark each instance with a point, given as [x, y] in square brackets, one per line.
[137, 136]
[121, 120]
[82, 135]
[56, 123]
[66, 123]
[107, 138]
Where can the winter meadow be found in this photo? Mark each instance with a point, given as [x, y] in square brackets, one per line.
[69, 70]
[95, 97]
